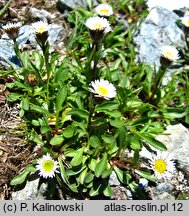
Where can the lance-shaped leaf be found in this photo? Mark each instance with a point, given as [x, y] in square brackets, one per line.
[61, 96]
[101, 166]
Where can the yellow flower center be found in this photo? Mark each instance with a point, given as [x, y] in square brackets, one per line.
[187, 23]
[98, 25]
[48, 165]
[104, 11]
[160, 166]
[169, 55]
[102, 91]
[41, 29]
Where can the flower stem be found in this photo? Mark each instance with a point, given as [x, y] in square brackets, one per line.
[158, 80]
[45, 50]
[92, 75]
[17, 51]
[91, 110]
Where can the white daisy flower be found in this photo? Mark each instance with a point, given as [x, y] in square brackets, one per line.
[104, 10]
[47, 167]
[98, 24]
[102, 88]
[185, 21]
[12, 29]
[40, 27]
[162, 165]
[170, 53]
[11, 26]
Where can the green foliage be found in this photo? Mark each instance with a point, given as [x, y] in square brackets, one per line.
[87, 135]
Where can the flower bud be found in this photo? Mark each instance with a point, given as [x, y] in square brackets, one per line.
[31, 79]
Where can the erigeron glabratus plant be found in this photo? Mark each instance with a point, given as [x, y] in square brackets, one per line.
[91, 112]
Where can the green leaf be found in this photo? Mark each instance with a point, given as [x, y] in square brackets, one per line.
[92, 164]
[78, 159]
[152, 141]
[117, 123]
[73, 171]
[35, 122]
[63, 171]
[83, 175]
[113, 113]
[89, 177]
[45, 129]
[113, 151]
[94, 141]
[70, 152]
[107, 173]
[25, 58]
[25, 103]
[80, 113]
[122, 137]
[173, 115]
[135, 143]
[68, 131]
[39, 61]
[21, 113]
[62, 74]
[101, 166]
[61, 96]
[14, 97]
[107, 105]
[74, 187]
[54, 57]
[95, 190]
[56, 140]
[39, 109]
[20, 178]
[35, 137]
[30, 168]
[107, 191]
[108, 139]
[122, 176]
[134, 103]
[146, 175]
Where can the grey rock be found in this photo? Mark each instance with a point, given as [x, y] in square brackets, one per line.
[143, 183]
[8, 56]
[26, 35]
[113, 180]
[31, 191]
[129, 194]
[165, 187]
[63, 5]
[159, 29]
[56, 33]
[41, 14]
[119, 193]
[154, 194]
[168, 4]
[164, 196]
[176, 139]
